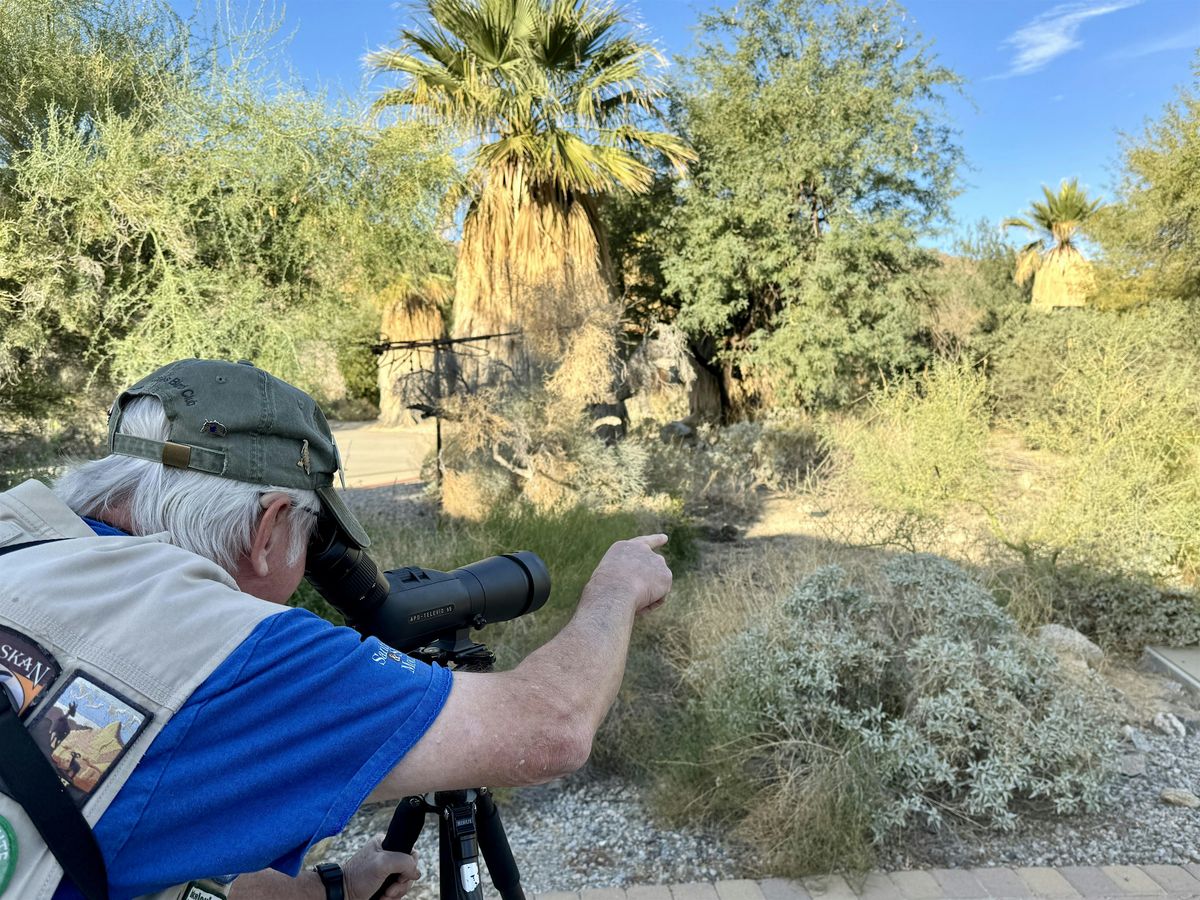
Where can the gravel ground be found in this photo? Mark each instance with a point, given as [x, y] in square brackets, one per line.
[571, 834]
[598, 833]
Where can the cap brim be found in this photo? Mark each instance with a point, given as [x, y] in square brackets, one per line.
[336, 507]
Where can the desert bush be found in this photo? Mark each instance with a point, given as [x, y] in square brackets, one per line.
[973, 296]
[1123, 415]
[852, 708]
[918, 453]
[720, 472]
[161, 196]
[544, 450]
[1121, 612]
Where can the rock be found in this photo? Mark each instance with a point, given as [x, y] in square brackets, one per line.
[1069, 645]
[1169, 724]
[719, 534]
[1179, 797]
[1133, 765]
[1140, 742]
[677, 433]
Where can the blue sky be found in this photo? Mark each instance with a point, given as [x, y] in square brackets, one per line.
[1049, 86]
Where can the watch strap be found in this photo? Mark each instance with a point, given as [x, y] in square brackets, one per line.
[331, 876]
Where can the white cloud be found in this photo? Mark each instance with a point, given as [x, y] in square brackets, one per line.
[1054, 33]
[1184, 40]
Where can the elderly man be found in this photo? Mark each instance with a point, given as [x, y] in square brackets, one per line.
[216, 731]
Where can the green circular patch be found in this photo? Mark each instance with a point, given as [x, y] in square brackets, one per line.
[8, 853]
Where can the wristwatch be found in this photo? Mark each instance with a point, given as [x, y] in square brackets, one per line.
[331, 876]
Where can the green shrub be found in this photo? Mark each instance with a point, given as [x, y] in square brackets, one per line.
[1121, 612]
[719, 474]
[1123, 415]
[161, 197]
[531, 447]
[916, 455]
[849, 711]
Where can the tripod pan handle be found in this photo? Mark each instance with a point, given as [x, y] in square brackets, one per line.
[403, 831]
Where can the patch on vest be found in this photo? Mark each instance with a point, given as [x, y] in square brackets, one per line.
[26, 668]
[85, 731]
[8, 853]
[203, 890]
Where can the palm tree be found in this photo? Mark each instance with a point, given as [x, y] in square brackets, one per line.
[559, 103]
[1061, 275]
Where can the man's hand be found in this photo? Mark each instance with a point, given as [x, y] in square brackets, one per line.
[362, 875]
[371, 866]
[632, 569]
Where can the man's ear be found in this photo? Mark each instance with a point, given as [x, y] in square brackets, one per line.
[270, 529]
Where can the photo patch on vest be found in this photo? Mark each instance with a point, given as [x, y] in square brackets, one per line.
[26, 668]
[85, 731]
[204, 890]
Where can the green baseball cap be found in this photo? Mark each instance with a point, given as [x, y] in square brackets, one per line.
[237, 421]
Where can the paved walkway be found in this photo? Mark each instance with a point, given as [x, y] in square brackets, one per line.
[1066, 883]
[374, 456]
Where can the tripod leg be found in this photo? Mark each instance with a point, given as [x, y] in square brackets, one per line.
[496, 850]
[405, 827]
[458, 849]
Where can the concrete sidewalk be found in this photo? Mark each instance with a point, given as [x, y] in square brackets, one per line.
[1042, 883]
[373, 456]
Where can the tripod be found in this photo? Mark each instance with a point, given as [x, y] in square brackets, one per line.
[468, 820]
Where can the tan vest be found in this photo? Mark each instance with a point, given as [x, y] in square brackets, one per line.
[102, 640]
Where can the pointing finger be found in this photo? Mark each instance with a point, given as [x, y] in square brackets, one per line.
[653, 541]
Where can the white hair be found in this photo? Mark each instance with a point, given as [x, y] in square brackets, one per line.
[206, 514]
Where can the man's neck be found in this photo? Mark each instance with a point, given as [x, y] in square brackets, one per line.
[117, 517]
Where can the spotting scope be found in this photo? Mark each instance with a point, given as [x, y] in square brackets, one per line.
[413, 608]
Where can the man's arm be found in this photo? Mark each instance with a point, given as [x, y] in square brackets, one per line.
[537, 722]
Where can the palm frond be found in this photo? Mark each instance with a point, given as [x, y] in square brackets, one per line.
[520, 76]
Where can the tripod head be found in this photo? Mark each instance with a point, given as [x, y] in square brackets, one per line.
[425, 612]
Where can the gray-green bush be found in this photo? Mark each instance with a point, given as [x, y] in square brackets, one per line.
[851, 710]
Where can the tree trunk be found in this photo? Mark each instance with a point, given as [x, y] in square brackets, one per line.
[532, 261]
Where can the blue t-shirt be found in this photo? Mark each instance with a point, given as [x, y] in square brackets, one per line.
[273, 752]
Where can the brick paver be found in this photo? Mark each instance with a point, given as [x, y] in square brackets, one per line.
[877, 886]
[700, 890]
[959, 883]
[1034, 883]
[1133, 880]
[741, 889]
[783, 889]
[1044, 881]
[648, 892]
[916, 885]
[1001, 882]
[829, 887]
[1090, 881]
[1174, 879]
[602, 894]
